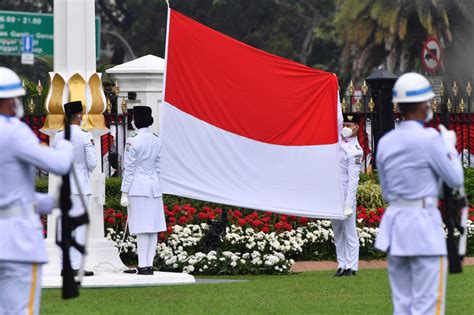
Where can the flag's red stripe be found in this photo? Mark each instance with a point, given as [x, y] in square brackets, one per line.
[246, 91]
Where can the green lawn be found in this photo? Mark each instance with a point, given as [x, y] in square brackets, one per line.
[304, 293]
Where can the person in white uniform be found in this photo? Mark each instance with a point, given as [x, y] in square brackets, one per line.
[412, 161]
[141, 190]
[22, 248]
[85, 161]
[346, 239]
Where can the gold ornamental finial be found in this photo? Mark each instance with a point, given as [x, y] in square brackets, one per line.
[435, 105]
[441, 89]
[371, 105]
[358, 105]
[116, 88]
[39, 87]
[344, 105]
[31, 106]
[462, 106]
[109, 106]
[449, 105]
[351, 89]
[455, 89]
[365, 88]
[468, 89]
[124, 106]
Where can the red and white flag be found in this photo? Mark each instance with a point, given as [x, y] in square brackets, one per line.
[242, 127]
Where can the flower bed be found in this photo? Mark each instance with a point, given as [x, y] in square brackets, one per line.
[255, 243]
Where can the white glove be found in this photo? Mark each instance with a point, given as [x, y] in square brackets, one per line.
[449, 136]
[44, 203]
[348, 211]
[124, 199]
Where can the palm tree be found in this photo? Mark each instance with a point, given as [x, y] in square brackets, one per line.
[391, 32]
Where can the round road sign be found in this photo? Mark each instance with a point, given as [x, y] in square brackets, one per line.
[431, 54]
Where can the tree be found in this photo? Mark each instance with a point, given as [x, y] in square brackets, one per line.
[390, 33]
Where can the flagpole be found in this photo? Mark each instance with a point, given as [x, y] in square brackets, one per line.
[166, 65]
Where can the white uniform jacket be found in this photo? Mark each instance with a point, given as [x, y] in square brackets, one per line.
[141, 175]
[412, 161]
[85, 158]
[350, 164]
[21, 236]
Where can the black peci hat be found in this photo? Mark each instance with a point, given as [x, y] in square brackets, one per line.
[72, 108]
[142, 116]
[352, 118]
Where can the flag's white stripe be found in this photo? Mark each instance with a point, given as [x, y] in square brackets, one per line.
[204, 162]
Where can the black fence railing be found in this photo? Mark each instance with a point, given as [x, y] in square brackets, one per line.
[453, 104]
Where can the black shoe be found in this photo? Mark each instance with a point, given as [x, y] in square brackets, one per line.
[144, 271]
[340, 272]
[151, 270]
[350, 272]
[87, 273]
[132, 271]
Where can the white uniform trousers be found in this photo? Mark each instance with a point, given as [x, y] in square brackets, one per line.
[346, 241]
[418, 284]
[79, 234]
[20, 288]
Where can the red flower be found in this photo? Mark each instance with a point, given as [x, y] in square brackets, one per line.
[170, 229]
[237, 214]
[183, 220]
[242, 222]
[265, 229]
[212, 216]
[218, 210]
[472, 218]
[268, 214]
[265, 219]
[257, 223]
[278, 225]
[202, 215]
[176, 208]
[287, 227]
[118, 215]
[303, 220]
[111, 220]
[293, 218]
[371, 221]
[172, 220]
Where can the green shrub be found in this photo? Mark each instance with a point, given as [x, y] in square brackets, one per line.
[42, 184]
[369, 195]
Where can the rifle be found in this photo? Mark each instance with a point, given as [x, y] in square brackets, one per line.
[455, 218]
[68, 224]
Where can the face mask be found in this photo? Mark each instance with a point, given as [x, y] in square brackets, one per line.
[429, 115]
[133, 125]
[19, 111]
[346, 132]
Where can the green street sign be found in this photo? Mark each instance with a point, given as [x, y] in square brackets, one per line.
[15, 25]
